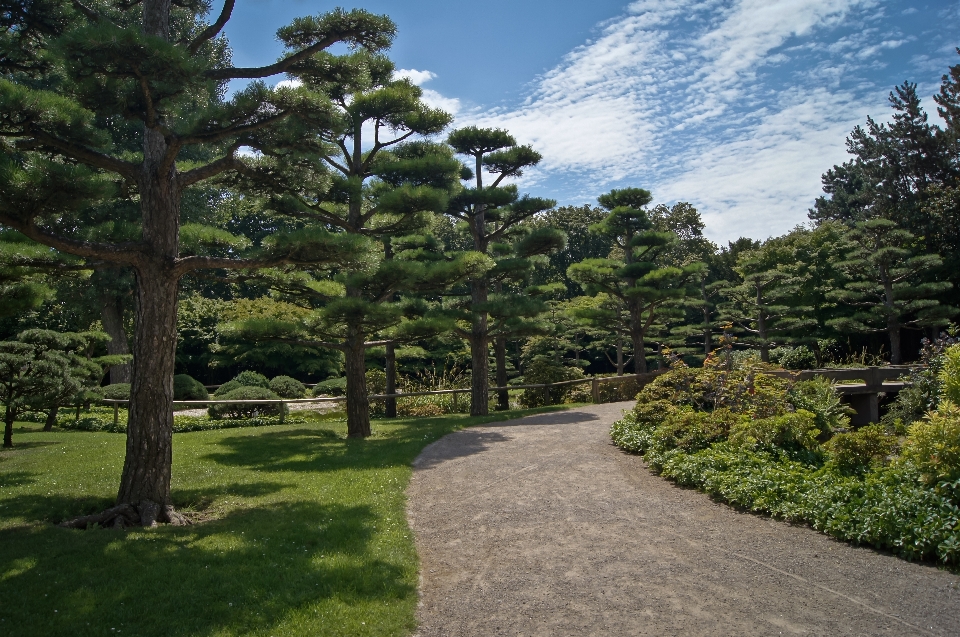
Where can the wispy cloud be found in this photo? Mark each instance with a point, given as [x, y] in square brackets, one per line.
[735, 105]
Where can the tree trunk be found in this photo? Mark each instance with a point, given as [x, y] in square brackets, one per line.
[893, 324]
[390, 408]
[358, 405]
[112, 318]
[500, 353]
[51, 418]
[8, 417]
[620, 356]
[637, 336]
[480, 363]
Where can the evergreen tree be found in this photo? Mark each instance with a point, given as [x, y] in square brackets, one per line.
[494, 215]
[887, 284]
[156, 68]
[639, 280]
[607, 323]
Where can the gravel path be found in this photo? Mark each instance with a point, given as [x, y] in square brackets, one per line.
[540, 526]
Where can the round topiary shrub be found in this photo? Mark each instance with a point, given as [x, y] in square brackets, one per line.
[186, 387]
[287, 387]
[117, 391]
[331, 387]
[217, 412]
[226, 388]
[252, 379]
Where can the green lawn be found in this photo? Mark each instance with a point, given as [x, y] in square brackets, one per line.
[305, 533]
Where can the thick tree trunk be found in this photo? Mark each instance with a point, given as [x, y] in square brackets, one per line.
[620, 356]
[112, 318]
[893, 330]
[500, 354]
[479, 355]
[390, 408]
[358, 405]
[51, 418]
[639, 351]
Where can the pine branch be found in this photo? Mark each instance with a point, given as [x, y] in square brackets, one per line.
[211, 31]
[124, 253]
[232, 131]
[87, 156]
[280, 66]
[214, 168]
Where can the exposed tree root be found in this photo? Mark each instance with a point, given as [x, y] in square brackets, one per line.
[146, 514]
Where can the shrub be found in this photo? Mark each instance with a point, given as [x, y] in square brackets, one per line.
[796, 358]
[950, 375]
[186, 387]
[252, 379]
[691, 431]
[376, 381]
[287, 387]
[542, 372]
[246, 411]
[933, 445]
[855, 452]
[331, 387]
[117, 391]
[226, 388]
[819, 397]
[634, 432]
[792, 432]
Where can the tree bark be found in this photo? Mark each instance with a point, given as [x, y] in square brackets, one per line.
[8, 417]
[358, 405]
[390, 408]
[112, 318]
[620, 356]
[637, 336]
[480, 363]
[893, 325]
[500, 354]
[51, 418]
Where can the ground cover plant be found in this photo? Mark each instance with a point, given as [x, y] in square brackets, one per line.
[787, 449]
[302, 532]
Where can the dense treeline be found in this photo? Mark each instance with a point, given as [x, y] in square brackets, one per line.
[359, 232]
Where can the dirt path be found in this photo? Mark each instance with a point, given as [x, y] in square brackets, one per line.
[540, 526]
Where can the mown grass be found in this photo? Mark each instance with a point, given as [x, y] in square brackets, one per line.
[304, 533]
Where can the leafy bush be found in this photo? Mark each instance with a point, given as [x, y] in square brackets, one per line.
[376, 381]
[925, 385]
[287, 387]
[818, 396]
[117, 391]
[634, 432]
[542, 372]
[252, 379]
[331, 387]
[691, 431]
[186, 387]
[857, 451]
[796, 358]
[933, 445]
[950, 375]
[793, 432]
[246, 411]
[226, 388]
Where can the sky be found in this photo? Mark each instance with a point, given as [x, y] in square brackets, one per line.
[736, 106]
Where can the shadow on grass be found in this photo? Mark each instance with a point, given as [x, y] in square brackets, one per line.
[200, 499]
[244, 573]
[10, 479]
[30, 444]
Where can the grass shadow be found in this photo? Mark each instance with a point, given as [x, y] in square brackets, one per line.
[251, 571]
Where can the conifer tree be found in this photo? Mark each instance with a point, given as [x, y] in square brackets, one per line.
[640, 280]
[493, 215]
[156, 69]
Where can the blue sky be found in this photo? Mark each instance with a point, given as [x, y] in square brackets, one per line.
[737, 106]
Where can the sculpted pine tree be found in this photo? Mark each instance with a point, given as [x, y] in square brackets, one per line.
[640, 280]
[493, 215]
[151, 66]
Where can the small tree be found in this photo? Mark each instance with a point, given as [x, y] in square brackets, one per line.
[888, 284]
[493, 215]
[639, 280]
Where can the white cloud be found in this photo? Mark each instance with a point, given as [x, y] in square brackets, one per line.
[294, 83]
[415, 76]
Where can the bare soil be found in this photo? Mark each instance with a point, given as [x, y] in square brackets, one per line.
[540, 526]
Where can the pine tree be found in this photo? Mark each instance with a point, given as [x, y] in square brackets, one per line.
[639, 280]
[156, 68]
[494, 215]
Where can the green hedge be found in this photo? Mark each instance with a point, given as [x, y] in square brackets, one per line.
[763, 444]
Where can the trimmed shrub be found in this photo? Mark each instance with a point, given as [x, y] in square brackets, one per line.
[252, 379]
[186, 387]
[541, 371]
[794, 432]
[691, 431]
[287, 387]
[933, 444]
[794, 357]
[246, 411]
[226, 388]
[117, 391]
[331, 387]
[857, 451]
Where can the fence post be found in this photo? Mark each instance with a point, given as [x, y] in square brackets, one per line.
[456, 401]
[283, 409]
[116, 414]
[595, 390]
